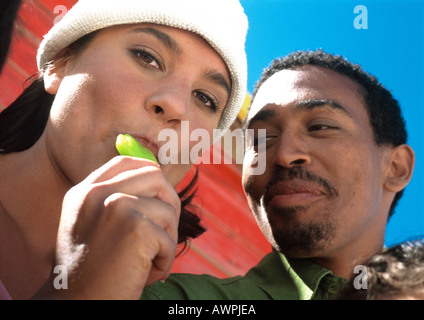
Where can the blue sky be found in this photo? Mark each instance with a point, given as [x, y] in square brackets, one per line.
[391, 48]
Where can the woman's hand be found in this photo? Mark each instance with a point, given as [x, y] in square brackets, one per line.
[118, 231]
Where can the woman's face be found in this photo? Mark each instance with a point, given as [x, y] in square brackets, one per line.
[136, 79]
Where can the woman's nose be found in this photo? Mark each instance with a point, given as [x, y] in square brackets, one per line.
[170, 101]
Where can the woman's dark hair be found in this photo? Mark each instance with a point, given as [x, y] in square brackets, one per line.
[189, 225]
[8, 12]
[24, 120]
[383, 109]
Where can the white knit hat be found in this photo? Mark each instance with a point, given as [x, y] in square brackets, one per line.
[222, 23]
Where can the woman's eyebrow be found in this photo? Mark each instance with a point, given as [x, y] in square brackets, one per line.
[218, 78]
[165, 38]
[170, 42]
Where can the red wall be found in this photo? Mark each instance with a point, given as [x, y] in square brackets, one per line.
[233, 242]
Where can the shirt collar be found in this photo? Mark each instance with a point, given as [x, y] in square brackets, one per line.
[284, 278]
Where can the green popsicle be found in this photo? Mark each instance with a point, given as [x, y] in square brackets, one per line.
[128, 146]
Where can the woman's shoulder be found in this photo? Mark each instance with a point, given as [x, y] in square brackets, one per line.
[4, 295]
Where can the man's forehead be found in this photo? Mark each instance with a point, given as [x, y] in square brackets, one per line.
[288, 86]
[278, 89]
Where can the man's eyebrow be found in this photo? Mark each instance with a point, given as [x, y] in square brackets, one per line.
[316, 103]
[219, 79]
[165, 38]
[262, 115]
[309, 104]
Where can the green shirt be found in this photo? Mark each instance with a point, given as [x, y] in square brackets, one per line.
[274, 278]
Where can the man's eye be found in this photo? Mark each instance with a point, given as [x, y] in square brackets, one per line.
[319, 127]
[206, 100]
[146, 57]
[264, 140]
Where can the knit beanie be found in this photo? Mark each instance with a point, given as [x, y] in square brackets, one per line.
[222, 23]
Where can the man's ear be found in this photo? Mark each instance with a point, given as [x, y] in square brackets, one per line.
[54, 73]
[402, 161]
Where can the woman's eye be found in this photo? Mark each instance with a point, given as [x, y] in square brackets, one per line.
[206, 100]
[146, 58]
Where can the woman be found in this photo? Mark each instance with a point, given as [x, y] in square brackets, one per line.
[111, 67]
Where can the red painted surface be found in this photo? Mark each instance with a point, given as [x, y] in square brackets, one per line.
[233, 242]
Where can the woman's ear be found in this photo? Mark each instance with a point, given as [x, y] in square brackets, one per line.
[55, 72]
[402, 161]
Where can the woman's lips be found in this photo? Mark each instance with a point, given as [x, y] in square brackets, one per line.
[149, 144]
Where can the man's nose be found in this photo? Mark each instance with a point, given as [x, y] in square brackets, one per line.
[292, 151]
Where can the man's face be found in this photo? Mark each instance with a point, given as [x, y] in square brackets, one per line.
[322, 189]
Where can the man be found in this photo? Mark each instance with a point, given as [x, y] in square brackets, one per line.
[336, 165]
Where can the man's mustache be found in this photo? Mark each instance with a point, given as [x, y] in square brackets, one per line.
[300, 173]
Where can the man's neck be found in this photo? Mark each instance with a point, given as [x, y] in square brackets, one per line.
[343, 263]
